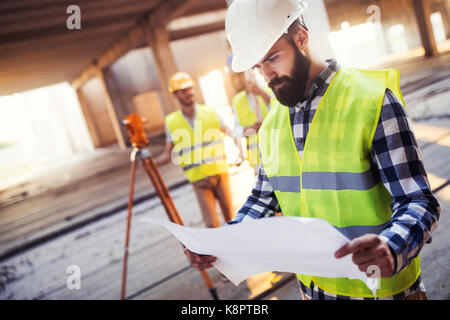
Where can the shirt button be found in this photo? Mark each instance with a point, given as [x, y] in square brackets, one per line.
[301, 140]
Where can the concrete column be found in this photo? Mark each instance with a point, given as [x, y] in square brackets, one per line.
[158, 40]
[115, 119]
[447, 10]
[422, 14]
[120, 105]
[90, 123]
[444, 9]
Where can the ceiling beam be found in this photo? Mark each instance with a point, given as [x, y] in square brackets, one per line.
[181, 10]
[208, 6]
[80, 39]
[53, 7]
[59, 29]
[29, 20]
[161, 16]
[118, 49]
[14, 6]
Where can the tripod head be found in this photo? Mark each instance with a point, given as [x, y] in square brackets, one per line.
[134, 124]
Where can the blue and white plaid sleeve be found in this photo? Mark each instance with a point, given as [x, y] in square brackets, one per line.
[415, 210]
[262, 201]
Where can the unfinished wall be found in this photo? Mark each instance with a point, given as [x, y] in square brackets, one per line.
[135, 73]
[392, 13]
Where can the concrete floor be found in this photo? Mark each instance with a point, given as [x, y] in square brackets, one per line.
[76, 216]
[157, 267]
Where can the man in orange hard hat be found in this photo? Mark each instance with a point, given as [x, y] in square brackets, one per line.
[195, 140]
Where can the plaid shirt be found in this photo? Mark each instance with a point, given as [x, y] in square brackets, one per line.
[397, 163]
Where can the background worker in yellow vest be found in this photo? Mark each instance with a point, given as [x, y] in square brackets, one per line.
[338, 146]
[250, 105]
[195, 140]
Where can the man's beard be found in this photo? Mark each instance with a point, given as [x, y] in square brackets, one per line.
[187, 102]
[294, 89]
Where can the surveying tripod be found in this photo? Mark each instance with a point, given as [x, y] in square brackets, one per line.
[138, 139]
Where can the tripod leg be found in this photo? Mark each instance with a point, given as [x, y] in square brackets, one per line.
[171, 210]
[210, 285]
[164, 189]
[129, 216]
[165, 198]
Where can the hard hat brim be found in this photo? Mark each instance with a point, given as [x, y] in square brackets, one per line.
[187, 84]
[245, 61]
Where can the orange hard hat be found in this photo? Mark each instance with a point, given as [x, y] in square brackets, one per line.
[180, 81]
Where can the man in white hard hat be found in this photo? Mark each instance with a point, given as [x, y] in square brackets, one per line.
[338, 146]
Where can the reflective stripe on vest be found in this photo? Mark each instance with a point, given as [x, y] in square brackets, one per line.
[325, 180]
[206, 160]
[200, 150]
[200, 145]
[334, 180]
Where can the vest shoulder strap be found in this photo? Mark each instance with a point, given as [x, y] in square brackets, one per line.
[173, 119]
[389, 77]
[238, 98]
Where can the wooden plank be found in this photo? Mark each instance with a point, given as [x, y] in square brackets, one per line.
[11, 6]
[66, 39]
[207, 6]
[61, 28]
[89, 10]
[196, 31]
[177, 9]
[169, 10]
[51, 59]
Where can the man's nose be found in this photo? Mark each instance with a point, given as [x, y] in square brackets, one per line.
[268, 73]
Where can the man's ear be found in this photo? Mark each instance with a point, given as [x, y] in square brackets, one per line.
[301, 39]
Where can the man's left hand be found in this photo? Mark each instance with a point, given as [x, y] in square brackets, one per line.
[369, 250]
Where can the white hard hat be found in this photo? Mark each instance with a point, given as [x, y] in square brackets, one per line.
[253, 27]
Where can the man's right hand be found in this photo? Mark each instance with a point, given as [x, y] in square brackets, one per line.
[199, 262]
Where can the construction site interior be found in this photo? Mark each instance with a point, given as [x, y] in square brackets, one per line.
[67, 84]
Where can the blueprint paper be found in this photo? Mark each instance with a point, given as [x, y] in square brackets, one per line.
[285, 244]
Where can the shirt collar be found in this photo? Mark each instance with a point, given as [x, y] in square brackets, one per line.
[195, 113]
[324, 78]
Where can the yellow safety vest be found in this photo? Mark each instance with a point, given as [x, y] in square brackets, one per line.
[247, 117]
[333, 179]
[200, 150]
